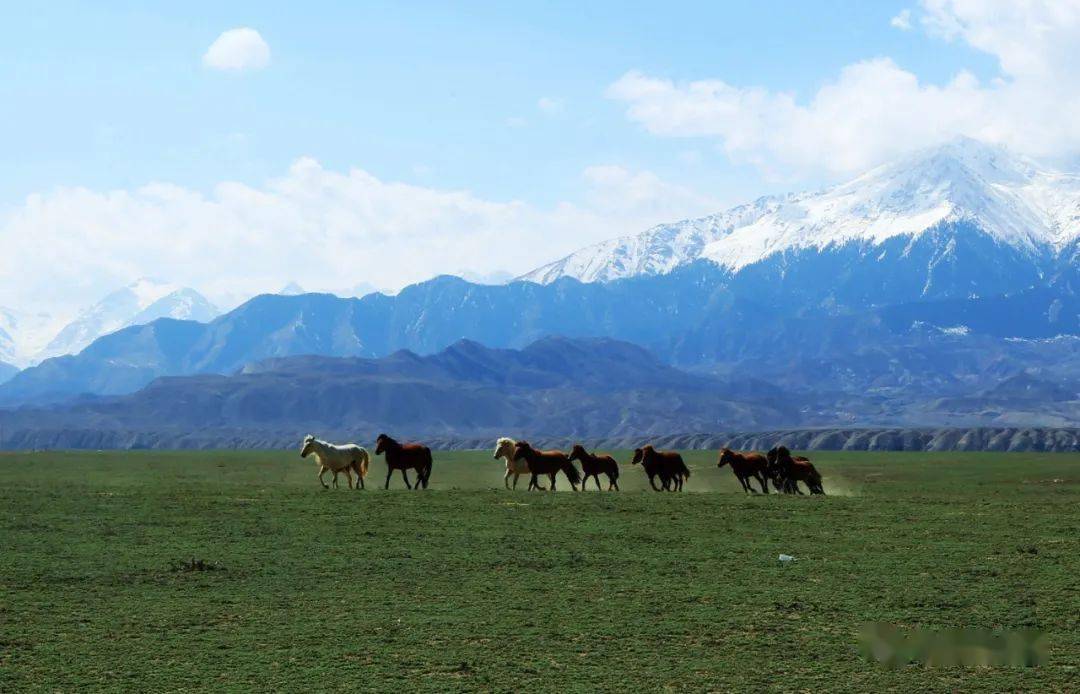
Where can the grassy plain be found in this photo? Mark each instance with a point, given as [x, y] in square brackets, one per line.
[468, 586]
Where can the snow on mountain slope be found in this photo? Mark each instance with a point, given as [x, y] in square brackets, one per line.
[24, 334]
[142, 301]
[1011, 199]
[655, 251]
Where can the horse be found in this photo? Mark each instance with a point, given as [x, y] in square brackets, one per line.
[787, 471]
[546, 463]
[746, 466]
[403, 456]
[338, 459]
[592, 465]
[668, 465]
[504, 448]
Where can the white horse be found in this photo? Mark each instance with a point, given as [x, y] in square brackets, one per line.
[348, 459]
[504, 448]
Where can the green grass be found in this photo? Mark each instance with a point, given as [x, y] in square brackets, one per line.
[470, 587]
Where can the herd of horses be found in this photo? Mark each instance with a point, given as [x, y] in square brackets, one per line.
[667, 468]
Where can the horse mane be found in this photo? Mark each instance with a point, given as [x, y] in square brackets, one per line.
[504, 439]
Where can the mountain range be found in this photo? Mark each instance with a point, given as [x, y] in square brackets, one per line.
[1018, 220]
[555, 386]
[28, 339]
[924, 292]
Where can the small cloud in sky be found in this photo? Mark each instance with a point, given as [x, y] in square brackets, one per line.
[550, 105]
[902, 21]
[237, 50]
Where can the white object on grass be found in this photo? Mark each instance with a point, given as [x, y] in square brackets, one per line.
[786, 558]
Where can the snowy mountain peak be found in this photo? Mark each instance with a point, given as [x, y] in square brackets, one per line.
[1010, 199]
[142, 301]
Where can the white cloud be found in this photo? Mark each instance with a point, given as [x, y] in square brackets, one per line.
[550, 105]
[614, 188]
[237, 50]
[902, 20]
[874, 109]
[323, 229]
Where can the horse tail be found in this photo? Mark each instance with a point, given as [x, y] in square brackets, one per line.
[571, 472]
[613, 469]
[814, 480]
[683, 469]
[363, 464]
[427, 465]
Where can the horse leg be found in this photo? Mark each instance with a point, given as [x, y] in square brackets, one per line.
[348, 477]
[506, 478]
[652, 483]
[551, 476]
[596, 478]
[532, 482]
[389, 472]
[405, 476]
[322, 471]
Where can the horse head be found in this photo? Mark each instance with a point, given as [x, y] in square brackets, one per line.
[639, 455]
[522, 449]
[726, 457]
[382, 443]
[578, 452]
[309, 445]
[503, 447]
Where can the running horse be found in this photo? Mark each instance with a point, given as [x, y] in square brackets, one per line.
[405, 456]
[546, 463]
[504, 448]
[747, 466]
[787, 471]
[667, 465]
[592, 465]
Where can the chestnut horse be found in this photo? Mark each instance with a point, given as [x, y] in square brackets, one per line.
[546, 463]
[787, 471]
[403, 456]
[746, 466]
[592, 465]
[668, 465]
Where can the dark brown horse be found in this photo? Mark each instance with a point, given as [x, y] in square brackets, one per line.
[546, 463]
[592, 465]
[746, 466]
[405, 456]
[787, 471]
[667, 465]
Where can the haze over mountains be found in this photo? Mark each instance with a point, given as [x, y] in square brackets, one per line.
[940, 289]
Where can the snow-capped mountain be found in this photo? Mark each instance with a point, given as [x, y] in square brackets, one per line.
[23, 334]
[1013, 202]
[140, 302]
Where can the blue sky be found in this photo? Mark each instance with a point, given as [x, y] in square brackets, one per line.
[113, 95]
[378, 143]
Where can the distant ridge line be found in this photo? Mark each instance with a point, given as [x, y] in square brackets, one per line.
[1002, 439]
